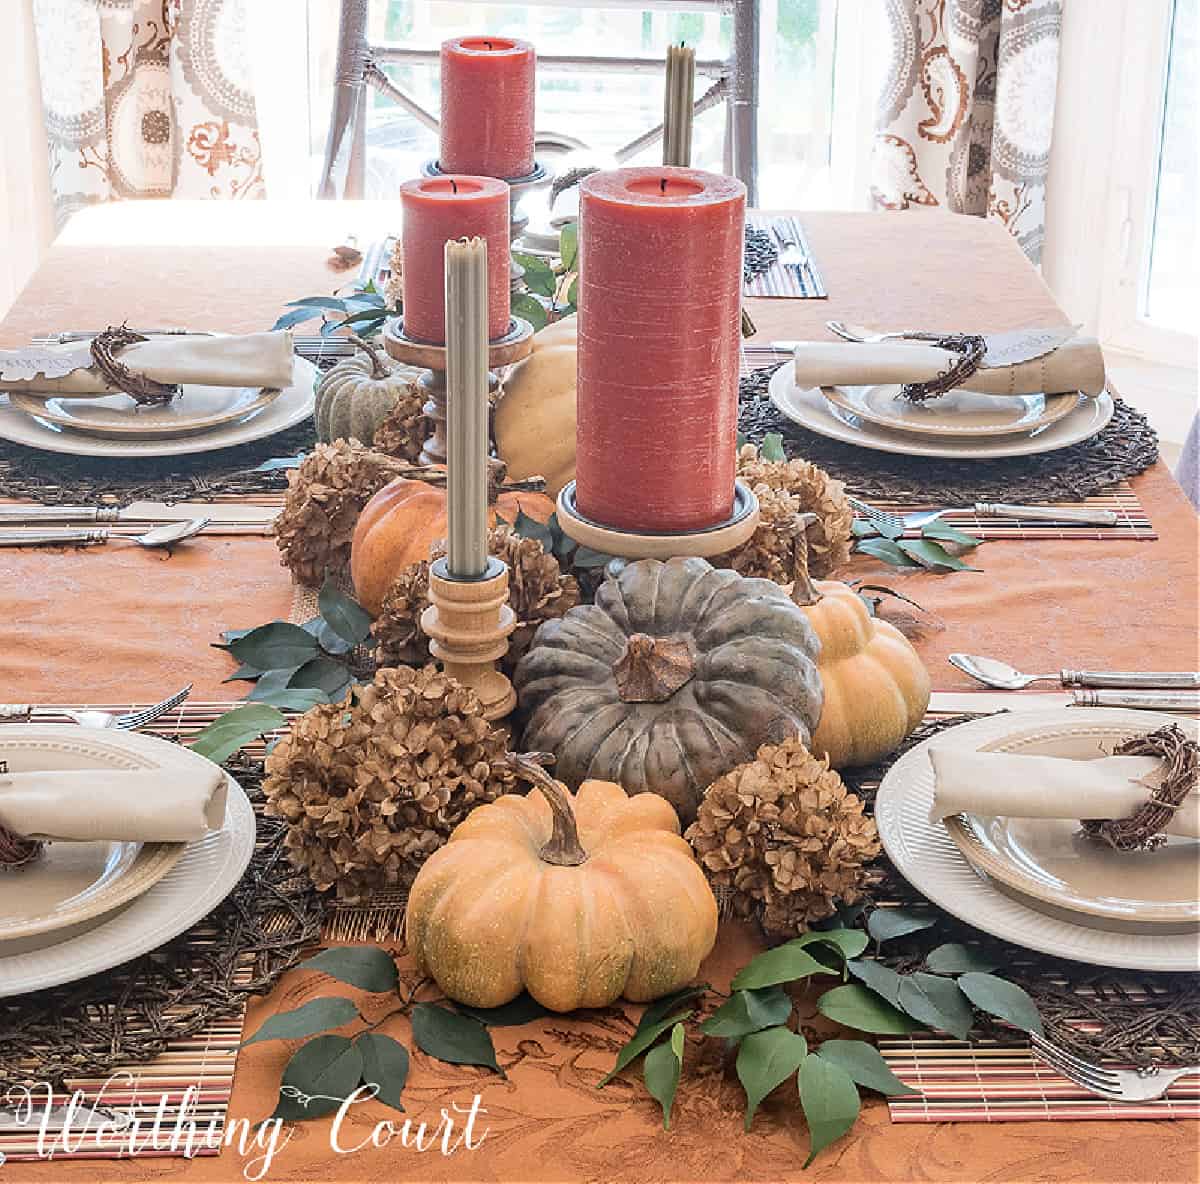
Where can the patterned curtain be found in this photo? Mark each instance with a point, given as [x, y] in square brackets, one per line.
[147, 98]
[967, 110]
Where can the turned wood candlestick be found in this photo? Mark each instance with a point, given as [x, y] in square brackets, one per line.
[469, 622]
[503, 351]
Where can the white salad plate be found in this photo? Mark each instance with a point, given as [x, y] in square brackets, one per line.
[956, 413]
[204, 874]
[808, 408]
[1047, 919]
[292, 405]
[194, 409]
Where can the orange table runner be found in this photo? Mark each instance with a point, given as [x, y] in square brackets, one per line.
[119, 623]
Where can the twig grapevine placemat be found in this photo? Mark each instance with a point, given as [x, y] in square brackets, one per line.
[1128, 445]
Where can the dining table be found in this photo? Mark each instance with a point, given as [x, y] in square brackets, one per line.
[119, 624]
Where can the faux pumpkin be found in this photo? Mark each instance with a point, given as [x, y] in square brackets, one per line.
[534, 422]
[675, 675]
[876, 686]
[355, 396]
[399, 524]
[578, 900]
[563, 332]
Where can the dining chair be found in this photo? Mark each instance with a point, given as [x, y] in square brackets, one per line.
[734, 82]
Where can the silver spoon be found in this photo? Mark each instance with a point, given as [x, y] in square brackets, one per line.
[157, 536]
[994, 673]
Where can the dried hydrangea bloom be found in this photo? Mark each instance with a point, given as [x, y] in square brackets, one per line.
[782, 839]
[373, 785]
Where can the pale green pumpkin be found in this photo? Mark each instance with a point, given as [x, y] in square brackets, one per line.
[354, 398]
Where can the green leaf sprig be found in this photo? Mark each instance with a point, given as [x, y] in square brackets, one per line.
[954, 981]
[363, 309]
[327, 1069]
[887, 543]
[298, 666]
[551, 287]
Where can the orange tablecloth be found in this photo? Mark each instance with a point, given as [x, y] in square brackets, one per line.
[117, 623]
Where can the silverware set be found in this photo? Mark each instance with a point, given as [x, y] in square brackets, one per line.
[126, 722]
[1117, 1085]
[148, 524]
[901, 522]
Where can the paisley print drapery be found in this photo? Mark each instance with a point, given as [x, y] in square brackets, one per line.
[966, 112]
[147, 98]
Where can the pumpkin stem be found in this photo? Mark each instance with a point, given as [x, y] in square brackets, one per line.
[379, 369]
[652, 669]
[563, 847]
[804, 591]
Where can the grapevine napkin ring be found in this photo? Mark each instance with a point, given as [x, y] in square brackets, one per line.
[969, 346]
[144, 391]
[1179, 776]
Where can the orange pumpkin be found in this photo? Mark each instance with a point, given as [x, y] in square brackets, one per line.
[404, 519]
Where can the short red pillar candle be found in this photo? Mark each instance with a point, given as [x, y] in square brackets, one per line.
[435, 210]
[660, 277]
[488, 86]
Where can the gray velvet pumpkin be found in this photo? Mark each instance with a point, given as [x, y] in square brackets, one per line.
[356, 395]
[675, 675]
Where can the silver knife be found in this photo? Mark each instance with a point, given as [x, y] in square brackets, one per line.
[1148, 700]
[220, 513]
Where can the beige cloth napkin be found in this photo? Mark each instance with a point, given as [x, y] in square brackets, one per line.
[175, 804]
[253, 360]
[1015, 786]
[1076, 366]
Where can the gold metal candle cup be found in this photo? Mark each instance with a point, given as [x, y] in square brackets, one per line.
[469, 622]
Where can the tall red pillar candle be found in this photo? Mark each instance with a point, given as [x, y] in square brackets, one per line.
[436, 210]
[488, 86]
[660, 278]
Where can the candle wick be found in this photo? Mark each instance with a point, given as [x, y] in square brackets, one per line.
[662, 184]
[488, 44]
[453, 185]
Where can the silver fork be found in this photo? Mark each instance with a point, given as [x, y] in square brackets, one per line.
[126, 722]
[1117, 1085]
[888, 521]
[864, 336]
[793, 255]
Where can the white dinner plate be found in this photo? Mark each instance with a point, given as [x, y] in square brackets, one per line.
[208, 870]
[809, 409]
[291, 407]
[924, 853]
[956, 413]
[194, 409]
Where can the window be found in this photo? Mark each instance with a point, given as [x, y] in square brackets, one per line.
[1121, 196]
[1169, 295]
[815, 70]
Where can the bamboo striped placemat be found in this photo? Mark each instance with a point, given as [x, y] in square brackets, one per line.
[175, 1105]
[804, 282]
[1002, 1081]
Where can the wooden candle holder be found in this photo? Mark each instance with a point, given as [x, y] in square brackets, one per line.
[517, 187]
[503, 351]
[469, 622]
[632, 544]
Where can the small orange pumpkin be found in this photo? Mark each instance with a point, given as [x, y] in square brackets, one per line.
[576, 899]
[876, 686]
[406, 517]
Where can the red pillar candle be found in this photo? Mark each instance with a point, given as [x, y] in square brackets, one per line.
[487, 106]
[660, 277]
[435, 210]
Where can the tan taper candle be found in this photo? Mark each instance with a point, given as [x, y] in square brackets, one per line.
[467, 406]
[677, 105]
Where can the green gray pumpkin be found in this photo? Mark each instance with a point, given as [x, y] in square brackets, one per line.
[355, 397]
[675, 675]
